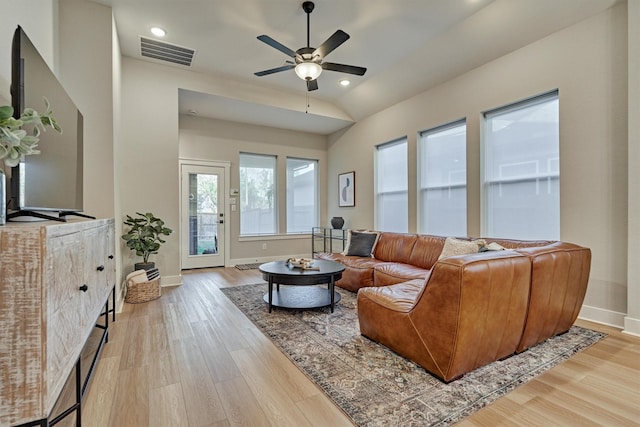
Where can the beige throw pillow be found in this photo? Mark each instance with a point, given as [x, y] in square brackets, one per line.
[454, 246]
[493, 246]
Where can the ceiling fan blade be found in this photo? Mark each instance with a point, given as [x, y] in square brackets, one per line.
[277, 45]
[274, 70]
[312, 85]
[331, 43]
[350, 69]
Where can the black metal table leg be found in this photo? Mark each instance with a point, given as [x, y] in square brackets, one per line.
[79, 389]
[332, 289]
[106, 321]
[270, 293]
[113, 293]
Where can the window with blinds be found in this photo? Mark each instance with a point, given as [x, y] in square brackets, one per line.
[391, 187]
[442, 180]
[521, 170]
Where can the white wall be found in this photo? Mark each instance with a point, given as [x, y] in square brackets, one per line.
[148, 155]
[116, 167]
[210, 139]
[39, 20]
[632, 321]
[149, 151]
[587, 63]
[86, 73]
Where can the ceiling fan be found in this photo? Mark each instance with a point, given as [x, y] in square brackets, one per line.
[308, 61]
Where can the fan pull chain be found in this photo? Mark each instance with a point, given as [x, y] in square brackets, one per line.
[307, 111]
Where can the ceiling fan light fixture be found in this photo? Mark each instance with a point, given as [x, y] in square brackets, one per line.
[309, 61]
[308, 70]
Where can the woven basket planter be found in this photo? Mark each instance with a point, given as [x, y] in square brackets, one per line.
[143, 286]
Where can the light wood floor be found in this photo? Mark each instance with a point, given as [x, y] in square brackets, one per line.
[191, 358]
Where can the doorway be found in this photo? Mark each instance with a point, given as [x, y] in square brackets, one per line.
[202, 216]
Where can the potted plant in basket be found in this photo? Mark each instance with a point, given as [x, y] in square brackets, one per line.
[144, 237]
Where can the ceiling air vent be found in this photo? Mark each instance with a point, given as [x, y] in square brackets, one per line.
[162, 51]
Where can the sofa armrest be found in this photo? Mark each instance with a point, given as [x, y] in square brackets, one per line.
[559, 278]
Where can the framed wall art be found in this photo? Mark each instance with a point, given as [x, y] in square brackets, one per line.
[347, 189]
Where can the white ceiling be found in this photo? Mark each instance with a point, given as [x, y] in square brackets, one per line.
[407, 47]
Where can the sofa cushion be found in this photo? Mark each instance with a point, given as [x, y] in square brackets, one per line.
[361, 243]
[358, 270]
[400, 297]
[395, 247]
[454, 247]
[426, 251]
[390, 273]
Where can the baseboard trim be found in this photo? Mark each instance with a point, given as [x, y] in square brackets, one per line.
[631, 326]
[600, 315]
[171, 281]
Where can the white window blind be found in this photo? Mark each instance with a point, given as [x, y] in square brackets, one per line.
[521, 170]
[391, 187]
[302, 195]
[258, 212]
[442, 169]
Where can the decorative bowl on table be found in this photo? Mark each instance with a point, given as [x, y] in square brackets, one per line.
[303, 263]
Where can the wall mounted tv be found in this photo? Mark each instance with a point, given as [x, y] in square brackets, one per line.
[52, 180]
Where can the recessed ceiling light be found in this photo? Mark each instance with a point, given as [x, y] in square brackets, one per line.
[345, 82]
[157, 31]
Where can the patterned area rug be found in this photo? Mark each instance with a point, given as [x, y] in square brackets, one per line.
[376, 387]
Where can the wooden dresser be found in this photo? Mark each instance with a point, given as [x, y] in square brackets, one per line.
[55, 279]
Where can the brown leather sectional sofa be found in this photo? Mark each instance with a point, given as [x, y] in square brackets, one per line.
[459, 313]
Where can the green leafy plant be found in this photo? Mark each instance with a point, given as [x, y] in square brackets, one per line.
[16, 142]
[144, 237]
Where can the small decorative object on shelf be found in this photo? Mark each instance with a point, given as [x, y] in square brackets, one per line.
[337, 222]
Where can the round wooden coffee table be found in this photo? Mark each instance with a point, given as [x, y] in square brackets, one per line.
[300, 294]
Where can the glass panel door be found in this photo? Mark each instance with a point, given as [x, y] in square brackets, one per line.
[202, 216]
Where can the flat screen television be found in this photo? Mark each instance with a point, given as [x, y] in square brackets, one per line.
[46, 185]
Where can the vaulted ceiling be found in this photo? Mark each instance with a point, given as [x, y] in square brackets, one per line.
[407, 46]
